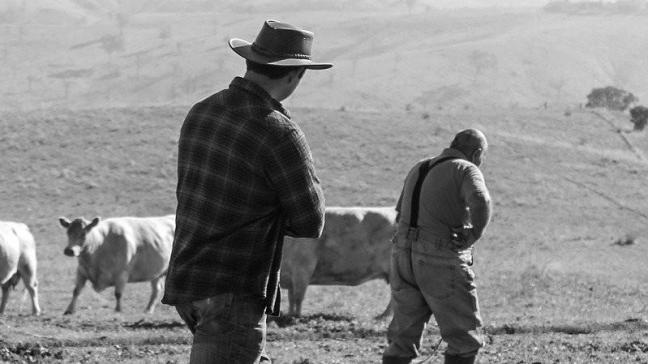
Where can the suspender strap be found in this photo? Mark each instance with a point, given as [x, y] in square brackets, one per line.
[424, 169]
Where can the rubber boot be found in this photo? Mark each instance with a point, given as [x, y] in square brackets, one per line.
[395, 360]
[455, 359]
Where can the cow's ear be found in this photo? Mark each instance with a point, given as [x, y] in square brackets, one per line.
[93, 223]
[64, 222]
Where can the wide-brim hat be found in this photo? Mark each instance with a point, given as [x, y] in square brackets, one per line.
[279, 44]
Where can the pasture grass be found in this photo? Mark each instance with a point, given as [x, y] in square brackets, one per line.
[553, 285]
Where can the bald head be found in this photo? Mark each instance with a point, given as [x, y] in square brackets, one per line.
[472, 143]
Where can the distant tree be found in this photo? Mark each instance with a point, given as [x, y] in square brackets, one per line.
[596, 6]
[410, 4]
[30, 81]
[112, 43]
[560, 6]
[122, 21]
[630, 6]
[610, 98]
[639, 117]
[165, 32]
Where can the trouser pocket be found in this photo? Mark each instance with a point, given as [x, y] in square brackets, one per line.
[436, 277]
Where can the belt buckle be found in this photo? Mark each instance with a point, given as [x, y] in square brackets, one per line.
[412, 234]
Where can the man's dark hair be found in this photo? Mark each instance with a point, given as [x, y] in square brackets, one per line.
[268, 70]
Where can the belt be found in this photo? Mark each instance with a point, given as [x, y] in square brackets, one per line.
[420, 234]
[428, 240]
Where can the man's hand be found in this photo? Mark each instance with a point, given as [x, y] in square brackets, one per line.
[463, 237]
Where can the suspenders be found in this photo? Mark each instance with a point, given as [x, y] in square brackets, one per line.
[424, 169]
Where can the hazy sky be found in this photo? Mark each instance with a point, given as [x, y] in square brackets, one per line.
[482, 3]
[488, 3]
[70, 5]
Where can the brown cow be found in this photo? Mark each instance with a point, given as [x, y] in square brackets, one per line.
[115, 251]
[355, 247]
[17, 260]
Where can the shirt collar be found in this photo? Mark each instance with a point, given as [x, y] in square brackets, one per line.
[451, 152]
[256, 90]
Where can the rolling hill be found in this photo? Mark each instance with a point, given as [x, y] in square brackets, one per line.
[387, 57]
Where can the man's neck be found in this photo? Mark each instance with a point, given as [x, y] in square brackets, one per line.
[463, 153]
[268, 84]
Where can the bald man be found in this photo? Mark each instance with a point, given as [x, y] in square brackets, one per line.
[442, 212]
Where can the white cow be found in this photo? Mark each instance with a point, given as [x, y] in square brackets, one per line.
[17, 260]
[115, 251]
[354, 248]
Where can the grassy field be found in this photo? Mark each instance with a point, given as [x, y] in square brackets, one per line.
[553, 285]
[567, 183]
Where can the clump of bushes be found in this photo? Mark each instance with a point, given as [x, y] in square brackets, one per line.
[639, 117]
[596, 7]
[611, 98]
[628, 239]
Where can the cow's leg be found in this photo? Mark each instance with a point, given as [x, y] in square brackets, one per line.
[78, 286]
[5, 297]
[29, 279]
[291, 301]
[156, 288]
[299, 298]
[6, 287]
[388, 311]
[296, 286]
[120, 284]
[299, 292]
[301, 278]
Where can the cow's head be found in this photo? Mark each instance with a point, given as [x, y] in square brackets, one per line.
[77, 230]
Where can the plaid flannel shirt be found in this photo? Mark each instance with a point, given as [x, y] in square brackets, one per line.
[245, 177]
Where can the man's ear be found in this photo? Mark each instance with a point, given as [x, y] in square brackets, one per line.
[476, 155]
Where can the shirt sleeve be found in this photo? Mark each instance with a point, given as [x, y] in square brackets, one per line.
[477, 198]
[291, 171]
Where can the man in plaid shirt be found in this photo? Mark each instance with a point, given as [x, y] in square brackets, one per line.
[245, 179]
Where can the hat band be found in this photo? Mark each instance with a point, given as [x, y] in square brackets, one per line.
[271, 54]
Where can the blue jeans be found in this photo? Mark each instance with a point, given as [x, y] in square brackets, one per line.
[432, 277]
[227, 328]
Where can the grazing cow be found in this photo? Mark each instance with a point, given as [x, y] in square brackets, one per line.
[354, 248]
[115, 251]
[17, 260]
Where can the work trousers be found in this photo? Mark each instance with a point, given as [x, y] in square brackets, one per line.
[228, 328]
[432, 277]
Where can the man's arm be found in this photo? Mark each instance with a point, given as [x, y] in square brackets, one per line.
[480, 213]
[478, 201]
[292, 173]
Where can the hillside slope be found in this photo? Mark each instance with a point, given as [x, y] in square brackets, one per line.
[564, 188]
[385, 56]
[552, 284]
